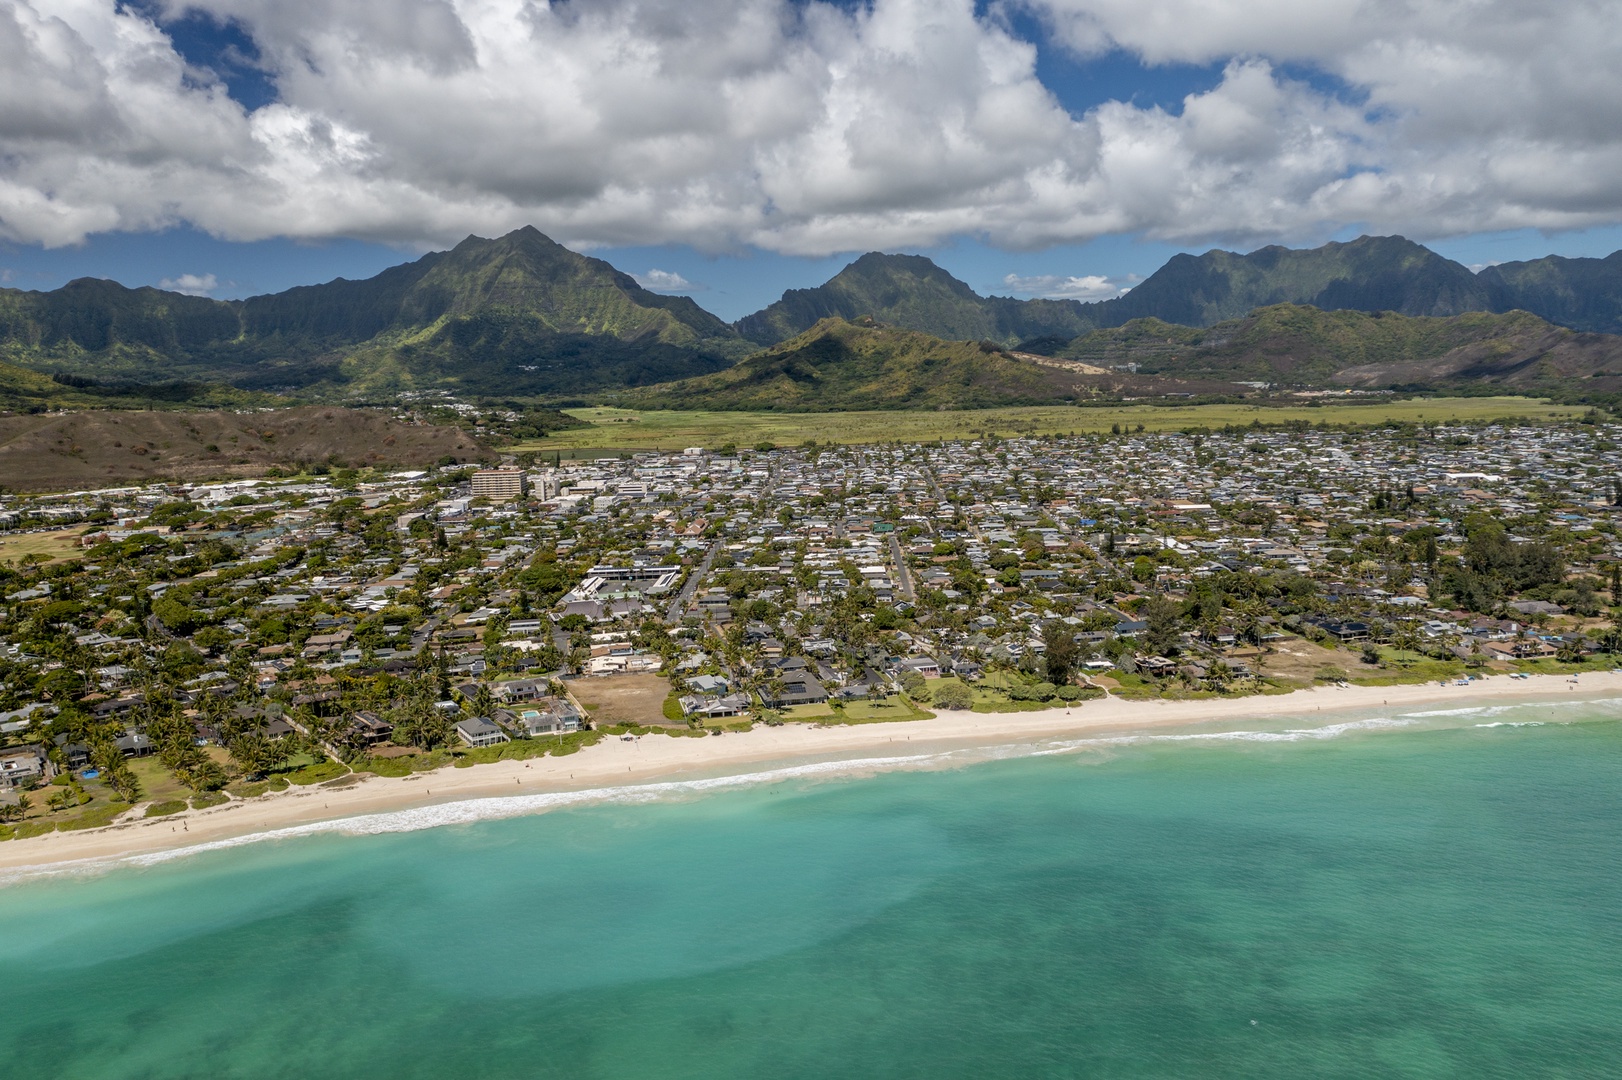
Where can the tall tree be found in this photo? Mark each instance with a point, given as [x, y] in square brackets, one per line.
[1163, 629]
[1060, 650]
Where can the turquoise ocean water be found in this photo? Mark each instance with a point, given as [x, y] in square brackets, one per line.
[1428, 896]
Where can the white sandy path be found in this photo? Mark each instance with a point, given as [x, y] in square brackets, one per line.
[614, 763]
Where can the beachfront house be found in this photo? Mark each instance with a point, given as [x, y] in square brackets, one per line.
[21, 766]
[367, 729]
[548, 716]
[797, 689]
[478, 731]
[695, 706]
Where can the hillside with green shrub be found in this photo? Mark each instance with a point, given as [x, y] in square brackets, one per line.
[839, 364]
[1294, 345]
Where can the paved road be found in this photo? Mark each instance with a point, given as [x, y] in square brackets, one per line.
[903, 577]
[941, 500]
[673, 614]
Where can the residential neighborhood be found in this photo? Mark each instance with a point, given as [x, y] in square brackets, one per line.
[187, 644]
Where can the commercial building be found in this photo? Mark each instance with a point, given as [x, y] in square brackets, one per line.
[499, 485]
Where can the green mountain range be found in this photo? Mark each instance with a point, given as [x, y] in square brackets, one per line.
[515, 315]
[1371, 273]
[1584, 294]
[522, 316]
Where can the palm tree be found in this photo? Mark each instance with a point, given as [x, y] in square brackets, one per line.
[15, 811]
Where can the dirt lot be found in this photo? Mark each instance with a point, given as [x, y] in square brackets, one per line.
[49, 451]
[1298, 658]
[623, 699]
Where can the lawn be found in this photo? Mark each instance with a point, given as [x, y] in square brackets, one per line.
[101, 810]
[656, 429]
[878, 712]
[990, 694]
[802, 713]
[157, 783]
[56, 546]
[1401, 667]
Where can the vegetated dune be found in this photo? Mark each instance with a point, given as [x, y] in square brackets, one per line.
[62, 451]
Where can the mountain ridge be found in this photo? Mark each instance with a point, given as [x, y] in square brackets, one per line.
[523, 315]
[1370, 273]
[518, 312]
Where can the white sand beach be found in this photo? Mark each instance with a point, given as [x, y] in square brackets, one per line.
[616, 763]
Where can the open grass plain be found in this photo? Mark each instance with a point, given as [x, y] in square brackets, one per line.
[54, 545]
[658, 429]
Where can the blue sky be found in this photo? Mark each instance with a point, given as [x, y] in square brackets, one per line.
[264, 62]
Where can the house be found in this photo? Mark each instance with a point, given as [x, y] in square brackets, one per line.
[709, 708]
[321, 644]
[1343, 630]
[550, 716]
[796, 690]
[478, 731]
[113, 707]
[1535, 607]
[708, 685]
[1157, 667]
[368, 729]
[76, 754]
[135, 745]
[923, 665]
[521, 690]
[21, 766]
[1520, 649]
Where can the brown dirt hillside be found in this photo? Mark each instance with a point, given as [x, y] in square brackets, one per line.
[63, 451]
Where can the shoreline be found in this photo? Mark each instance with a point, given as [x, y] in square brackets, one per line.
[615, 765]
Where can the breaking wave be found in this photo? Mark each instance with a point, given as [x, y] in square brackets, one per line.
[492, 808]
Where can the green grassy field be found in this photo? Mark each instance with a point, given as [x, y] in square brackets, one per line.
[55, 546]
[636, 429]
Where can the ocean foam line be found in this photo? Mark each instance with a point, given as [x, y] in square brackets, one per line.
[1055, 746]
[485, 808]
[492, 808]
[495, 808]
[1495, 710]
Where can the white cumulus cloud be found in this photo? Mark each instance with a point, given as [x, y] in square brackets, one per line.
[808, 127]
[1060, 287]
[191, 284]
[666, 281]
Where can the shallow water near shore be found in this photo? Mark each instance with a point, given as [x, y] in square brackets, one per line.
[1428, 894]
